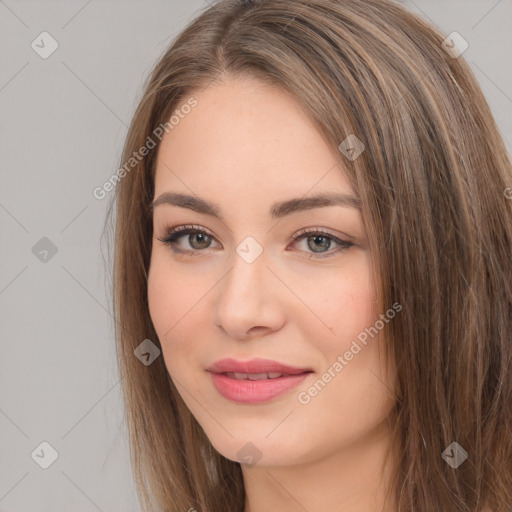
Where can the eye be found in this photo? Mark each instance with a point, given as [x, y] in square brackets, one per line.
[198, 238]
[318, 241]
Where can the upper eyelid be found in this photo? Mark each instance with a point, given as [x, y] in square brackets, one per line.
[324, 231]
[296, 237]
[192, 227]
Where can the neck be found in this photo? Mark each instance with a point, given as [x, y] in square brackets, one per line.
[354, 478]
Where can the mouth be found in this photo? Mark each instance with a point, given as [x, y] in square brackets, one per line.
[255, 381]
[255, 376]
[256, 367]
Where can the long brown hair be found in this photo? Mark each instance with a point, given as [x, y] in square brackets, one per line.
[432, 182]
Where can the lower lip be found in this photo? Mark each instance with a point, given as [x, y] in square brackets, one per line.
[254, 391]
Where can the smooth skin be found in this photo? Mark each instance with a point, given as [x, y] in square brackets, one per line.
[245, 146]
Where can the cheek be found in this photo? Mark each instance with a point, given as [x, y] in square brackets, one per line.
[178, 306]
[161, 297]
[172, 292]
[171, 297]
[346, 303]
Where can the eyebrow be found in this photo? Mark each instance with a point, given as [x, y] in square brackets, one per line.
[278, 210]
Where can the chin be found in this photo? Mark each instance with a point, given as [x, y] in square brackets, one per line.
[250, 446]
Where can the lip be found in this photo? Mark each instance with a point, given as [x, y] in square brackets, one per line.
[254, 391]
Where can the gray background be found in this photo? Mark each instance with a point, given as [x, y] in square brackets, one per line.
[64, 120]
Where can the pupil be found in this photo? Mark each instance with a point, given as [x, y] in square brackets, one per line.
[199, 236]
[318, 237]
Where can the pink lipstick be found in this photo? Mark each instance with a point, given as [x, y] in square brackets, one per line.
[254, 381]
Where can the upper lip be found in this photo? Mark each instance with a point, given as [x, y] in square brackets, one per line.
[254, 366]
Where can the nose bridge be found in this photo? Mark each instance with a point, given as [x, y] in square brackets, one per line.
[245, 299]
[246, 279]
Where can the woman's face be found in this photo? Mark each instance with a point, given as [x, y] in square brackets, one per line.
[244, 289]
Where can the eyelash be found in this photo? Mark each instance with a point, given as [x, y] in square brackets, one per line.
[174, 233]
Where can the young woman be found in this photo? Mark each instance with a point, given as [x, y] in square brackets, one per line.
[313, 272]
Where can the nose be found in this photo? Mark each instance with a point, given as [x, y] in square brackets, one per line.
[247, 302]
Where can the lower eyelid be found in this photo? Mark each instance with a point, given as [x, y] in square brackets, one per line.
[192, 230]
[331, 252]
[341, 246]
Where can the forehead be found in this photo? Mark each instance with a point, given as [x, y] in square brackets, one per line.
[249, 138]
